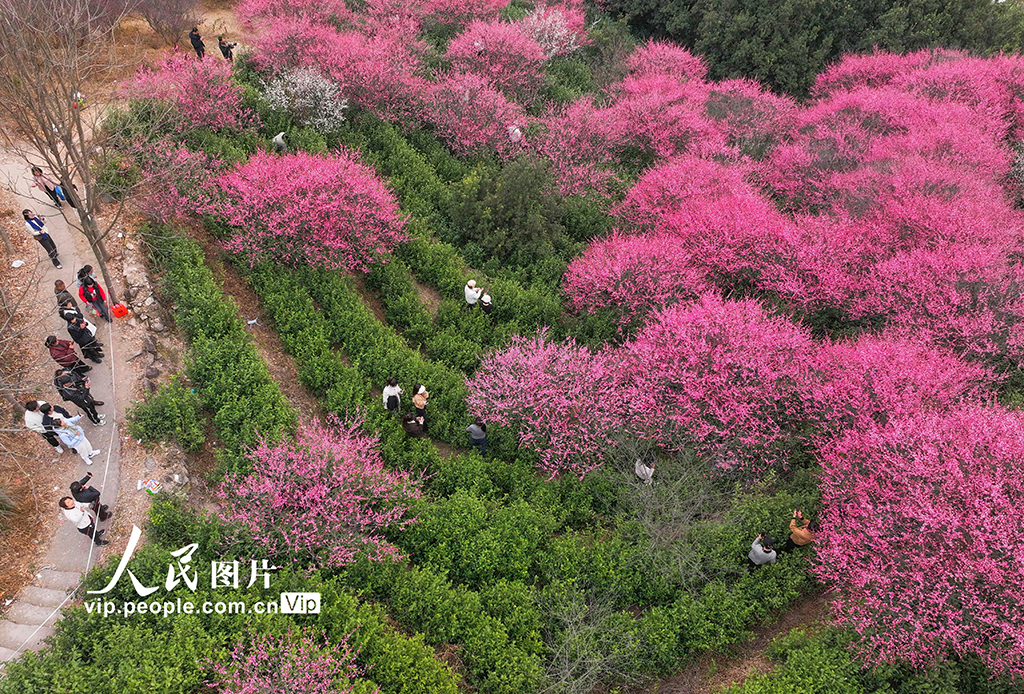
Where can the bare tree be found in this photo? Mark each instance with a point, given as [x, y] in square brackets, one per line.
[52, 54]
[169, 18]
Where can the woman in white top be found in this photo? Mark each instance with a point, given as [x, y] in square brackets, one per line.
[73, 437]
[392, 396]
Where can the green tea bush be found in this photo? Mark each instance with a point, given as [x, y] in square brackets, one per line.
[171, 415]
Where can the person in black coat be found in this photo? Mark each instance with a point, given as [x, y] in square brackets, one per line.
[197, 42]
[92, 348]
[86, 494]
[74, 388]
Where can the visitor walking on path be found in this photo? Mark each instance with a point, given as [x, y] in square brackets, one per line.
[37, 227]
[50, 412]
[392, 396]
[197, 42]
[79, 514]
[46, 184]
[478, 435]
[84, 334]
[92, 293]
[72, 436]
[63, 352]
[63, 295]
[84, 493]
[34, 421]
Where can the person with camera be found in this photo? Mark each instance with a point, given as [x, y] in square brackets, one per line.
[74, 388]
[227, 49]
[802, 532]
[761, 552]
[84, 493]
[84, 333]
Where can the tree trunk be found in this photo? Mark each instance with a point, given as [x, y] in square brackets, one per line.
[99, 248]
[7, 240]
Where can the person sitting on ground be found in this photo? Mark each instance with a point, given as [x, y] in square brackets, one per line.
[801, 532]
[413, 425]
[392, 396]
[485, 304]
[761, 551]
[644, 470]
[472, 293]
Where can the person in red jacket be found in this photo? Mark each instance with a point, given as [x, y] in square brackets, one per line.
[92, 293]
[63, 352]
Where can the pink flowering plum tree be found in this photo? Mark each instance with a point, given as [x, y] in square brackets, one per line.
[573, 140]
[300, 660]
[324, 498]
[920, 537]
[323, 211]
[169, 182]
[563, 400]
[667, 59]
[190, 94]
[633, 275]
[263, 13]
[472, 116]
[876, 379]
[559, 31]
[725, 378]
[504, 54]
[751, 119]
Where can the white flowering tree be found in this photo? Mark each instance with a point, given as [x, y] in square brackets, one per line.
[309, 97]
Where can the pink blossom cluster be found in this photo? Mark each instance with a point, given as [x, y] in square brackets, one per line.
[175, 183]
[300, 660]
[194, 94]
[327, 211]
[325, 498]
[741, 387]
[564, 400]
[504, 54]
[921, 537]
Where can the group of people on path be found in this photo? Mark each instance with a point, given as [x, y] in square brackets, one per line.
[54, 423]
[227, 48]
[415, 423]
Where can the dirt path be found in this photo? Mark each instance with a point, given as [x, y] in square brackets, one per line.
[713, 671]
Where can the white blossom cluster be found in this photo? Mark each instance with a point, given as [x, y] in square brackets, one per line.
[309, 97]
[549, 28]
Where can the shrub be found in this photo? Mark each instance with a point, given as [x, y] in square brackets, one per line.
[171, 415]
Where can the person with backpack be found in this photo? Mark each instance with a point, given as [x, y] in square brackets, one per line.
[92, 293]
[47, 185]
[37, 227]
[392, 396]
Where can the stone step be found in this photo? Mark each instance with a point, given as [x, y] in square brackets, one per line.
[58, 580]
[22, 636]
[6, 655]
[22, 612]
[44, 597]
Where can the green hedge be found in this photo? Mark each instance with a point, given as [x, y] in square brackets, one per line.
[222, 362]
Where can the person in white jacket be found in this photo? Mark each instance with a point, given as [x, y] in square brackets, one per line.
[473, 293]
[34, 421]
[80, 514]
[72, 436]
[392, 396]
